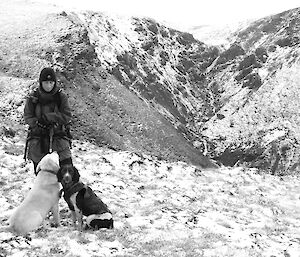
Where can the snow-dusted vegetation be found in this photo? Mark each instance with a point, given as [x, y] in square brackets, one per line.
[160, 208]
[150, 105]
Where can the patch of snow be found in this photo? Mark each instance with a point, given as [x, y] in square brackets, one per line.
[76, 248]
[109, 45]
[273, 135]
[263, 73]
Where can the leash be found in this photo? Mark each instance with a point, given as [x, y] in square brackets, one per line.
[51, 133]
[26, 149]
[51, 138]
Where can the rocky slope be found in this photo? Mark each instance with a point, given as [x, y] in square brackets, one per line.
[258, 121]
[229, 101]
[137, 85]
[105, 111]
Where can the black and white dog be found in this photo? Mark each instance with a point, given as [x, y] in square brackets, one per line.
[82, 200]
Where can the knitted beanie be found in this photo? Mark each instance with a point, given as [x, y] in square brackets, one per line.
[47, 74]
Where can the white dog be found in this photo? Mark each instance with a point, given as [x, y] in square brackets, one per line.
[42, 198]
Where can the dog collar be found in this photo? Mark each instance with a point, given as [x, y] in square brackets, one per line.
[49, 171]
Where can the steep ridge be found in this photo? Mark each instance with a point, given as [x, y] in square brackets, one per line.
[182, 97]
[258, 122]
[219, 99]
[164, 67]
[105, 111]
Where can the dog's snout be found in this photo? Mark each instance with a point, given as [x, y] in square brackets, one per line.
[67, 178]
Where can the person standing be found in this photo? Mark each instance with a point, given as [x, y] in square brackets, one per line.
[48, 114]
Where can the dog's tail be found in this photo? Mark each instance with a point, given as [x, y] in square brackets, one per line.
[97, 221]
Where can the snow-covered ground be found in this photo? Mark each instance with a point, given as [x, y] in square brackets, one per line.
[160, 208]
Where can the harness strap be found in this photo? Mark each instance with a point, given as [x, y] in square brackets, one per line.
[70, 191]
[51, 133]
[73, 189]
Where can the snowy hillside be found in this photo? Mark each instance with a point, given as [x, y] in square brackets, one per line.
[160, 208]
[223, 100]
[131, 145]
[221, 35]
[137, 85]
[104, 110]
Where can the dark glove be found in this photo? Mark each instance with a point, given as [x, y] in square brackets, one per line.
[68, 132]
[42, 124]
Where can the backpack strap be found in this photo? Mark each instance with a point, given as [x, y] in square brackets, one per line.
[35, 97]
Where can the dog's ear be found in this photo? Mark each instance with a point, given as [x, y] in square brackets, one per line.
[59, 175]
[76, 174]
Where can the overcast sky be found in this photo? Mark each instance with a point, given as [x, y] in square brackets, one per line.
[187, 13]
